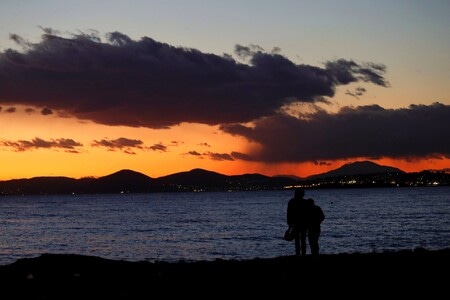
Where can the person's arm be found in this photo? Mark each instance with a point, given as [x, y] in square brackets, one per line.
[321, 214]
[289, 217]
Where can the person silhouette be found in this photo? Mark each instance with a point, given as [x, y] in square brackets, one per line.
[315, 217]
[297, 220]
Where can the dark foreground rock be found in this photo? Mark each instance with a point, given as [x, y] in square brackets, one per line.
[403, 273]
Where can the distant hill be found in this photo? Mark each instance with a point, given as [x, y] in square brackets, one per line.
[38, 185]
[364, 173]
[125, 181]
[128, 181]
[195, 177]
[199, 179]
[357, 168]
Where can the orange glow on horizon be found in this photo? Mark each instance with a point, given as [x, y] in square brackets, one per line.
[306, 169]
[101, 163]
[161, 152]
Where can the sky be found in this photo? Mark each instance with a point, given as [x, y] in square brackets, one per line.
[88, 88]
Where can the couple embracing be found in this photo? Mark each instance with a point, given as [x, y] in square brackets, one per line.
[304, 218]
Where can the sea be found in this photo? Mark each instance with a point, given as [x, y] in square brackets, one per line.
[206, 226]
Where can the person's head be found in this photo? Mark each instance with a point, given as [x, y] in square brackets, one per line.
[299, 193]
[310, 201]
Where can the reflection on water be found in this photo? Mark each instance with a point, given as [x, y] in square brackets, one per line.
[206, 226]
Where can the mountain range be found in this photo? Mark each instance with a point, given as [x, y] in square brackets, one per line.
[129, 181]
[357, 168]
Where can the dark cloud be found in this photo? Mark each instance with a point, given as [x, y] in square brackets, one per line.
[46, 111]
[69, 145]
[158, 147]
[212, 155]
[358, 92]
[239, 155]
[123, 144]
[147, 83]
[322, 163]
[194, 153]
[11, 110]
[218, 156]
[347, 71]
[205, 144]
[367, 131]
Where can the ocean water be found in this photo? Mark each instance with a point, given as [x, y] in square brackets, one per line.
[223, 225]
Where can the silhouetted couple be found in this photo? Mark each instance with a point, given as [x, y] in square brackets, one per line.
[305, 217]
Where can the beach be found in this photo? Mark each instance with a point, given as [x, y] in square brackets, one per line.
[66, 276]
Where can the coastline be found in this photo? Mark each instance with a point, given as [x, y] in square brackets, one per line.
[70, 276]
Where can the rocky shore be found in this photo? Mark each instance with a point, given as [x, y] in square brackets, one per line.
[66, 276]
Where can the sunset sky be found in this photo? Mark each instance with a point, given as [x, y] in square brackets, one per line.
[88, 88]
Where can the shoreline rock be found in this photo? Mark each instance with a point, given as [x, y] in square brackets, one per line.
[70, 276]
